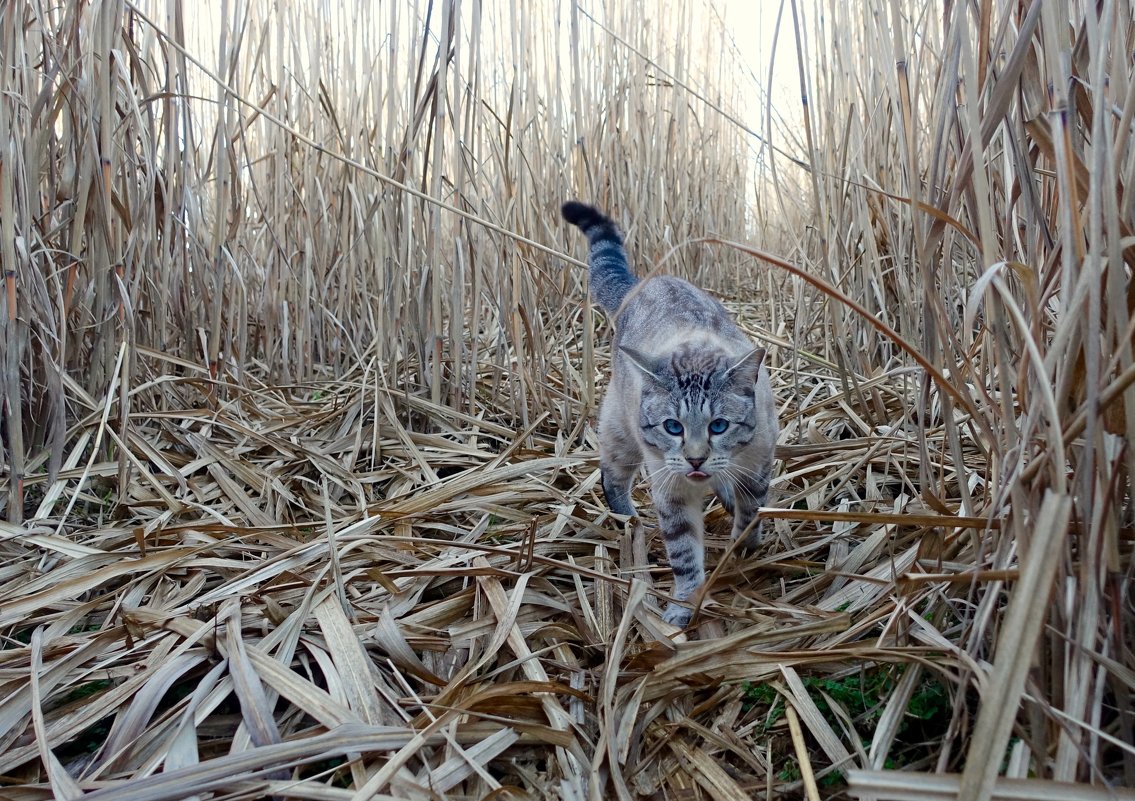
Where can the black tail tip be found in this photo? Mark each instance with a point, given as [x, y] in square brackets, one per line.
[582, 215]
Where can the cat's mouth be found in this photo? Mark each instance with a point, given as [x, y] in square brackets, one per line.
[697, 475]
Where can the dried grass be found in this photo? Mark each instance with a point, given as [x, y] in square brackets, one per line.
[298, 468]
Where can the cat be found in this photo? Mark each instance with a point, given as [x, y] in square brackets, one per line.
[689, 398]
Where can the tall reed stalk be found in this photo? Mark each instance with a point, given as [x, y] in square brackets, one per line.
[301, 190]
[971, 174]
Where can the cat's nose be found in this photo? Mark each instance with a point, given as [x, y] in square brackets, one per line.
[695, 463]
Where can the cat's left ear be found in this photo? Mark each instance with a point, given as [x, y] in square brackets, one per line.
[749, 364]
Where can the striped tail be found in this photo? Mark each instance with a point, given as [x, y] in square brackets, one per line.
[611, 278]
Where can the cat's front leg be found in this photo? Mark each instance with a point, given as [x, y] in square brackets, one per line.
[620, 458]
[680, 520]
[724, 492]
[749, 494]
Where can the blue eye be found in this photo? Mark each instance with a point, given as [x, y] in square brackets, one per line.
[672, 427]
[718, 426]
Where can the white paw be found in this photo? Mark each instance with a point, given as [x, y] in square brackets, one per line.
[677, 615]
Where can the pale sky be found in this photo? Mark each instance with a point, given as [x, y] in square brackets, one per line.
[761, 47]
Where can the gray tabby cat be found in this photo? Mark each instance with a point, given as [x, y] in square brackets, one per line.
[688, 398]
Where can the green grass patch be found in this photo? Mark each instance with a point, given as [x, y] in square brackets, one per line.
[863, 696]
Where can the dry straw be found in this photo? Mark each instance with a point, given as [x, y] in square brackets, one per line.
[298, 468]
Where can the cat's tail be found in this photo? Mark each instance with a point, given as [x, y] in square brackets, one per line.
[611, 277]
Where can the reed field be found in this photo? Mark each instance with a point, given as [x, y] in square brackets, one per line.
[298, 478]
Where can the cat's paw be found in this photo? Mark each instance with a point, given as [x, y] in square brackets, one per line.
[677, 615]
[752, 540]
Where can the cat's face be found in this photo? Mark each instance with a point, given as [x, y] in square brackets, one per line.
[698, 407]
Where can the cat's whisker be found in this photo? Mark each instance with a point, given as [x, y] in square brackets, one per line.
[737, 471]
[746, 488]
[740, 469]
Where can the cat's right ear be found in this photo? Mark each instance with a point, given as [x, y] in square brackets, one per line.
[647, 365]
[748, 366]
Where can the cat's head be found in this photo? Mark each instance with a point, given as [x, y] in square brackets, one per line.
[698, 406]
